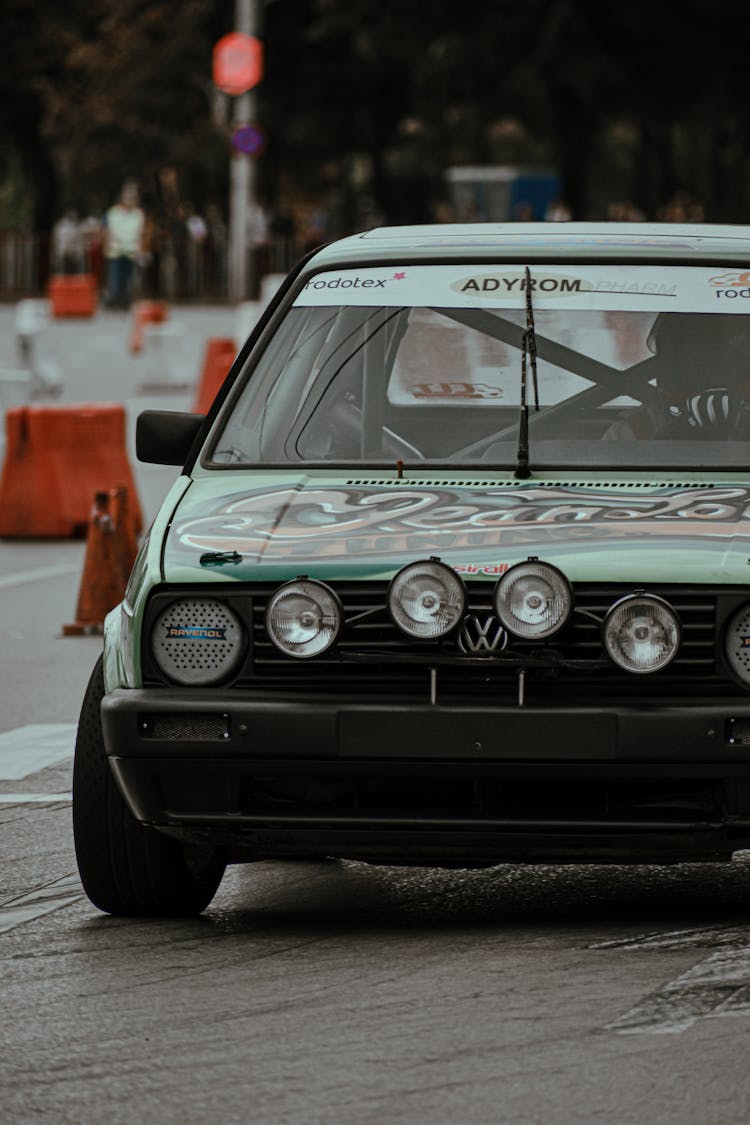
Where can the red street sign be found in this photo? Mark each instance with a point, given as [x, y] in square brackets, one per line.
[238, 63]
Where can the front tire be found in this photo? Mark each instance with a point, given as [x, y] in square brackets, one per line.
[126, 867]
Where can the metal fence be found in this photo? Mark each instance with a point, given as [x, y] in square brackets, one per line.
[24, 264]
[182, 271]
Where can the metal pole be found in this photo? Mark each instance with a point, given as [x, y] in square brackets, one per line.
[242, 181]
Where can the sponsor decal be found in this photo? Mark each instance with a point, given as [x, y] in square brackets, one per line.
[455, 391]
[472, 568]
[732, 286]
[354, 522]
[640, 289]
[355, 282]
[196, 633]
[555, 285]
[732, 278]
[489, 285]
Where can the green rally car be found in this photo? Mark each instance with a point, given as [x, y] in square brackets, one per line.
[456, 571]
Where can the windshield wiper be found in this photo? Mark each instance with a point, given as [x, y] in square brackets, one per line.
[528, 350]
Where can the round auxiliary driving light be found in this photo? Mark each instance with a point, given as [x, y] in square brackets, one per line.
[533, 600]
[737, 643]
[303, 618]
[196, 641]
[641, 633]
[427, 600]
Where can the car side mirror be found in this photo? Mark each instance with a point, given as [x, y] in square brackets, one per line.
[165, 437]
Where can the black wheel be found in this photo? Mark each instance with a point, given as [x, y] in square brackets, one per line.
[125, 867]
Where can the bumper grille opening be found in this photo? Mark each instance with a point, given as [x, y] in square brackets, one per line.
[738, 732]
[484, 798]
[185, 728]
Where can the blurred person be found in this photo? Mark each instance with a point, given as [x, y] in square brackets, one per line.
[682, 208]
[91, 236]
[443, 212]
[216, 248]
[523, 212]
[123, 246]
[701, 376]
[315, 230]
[258, 239]
[624, 211]
[558, 212]
[197, 232]
[67, 245]
[151, 261]
[196, 225]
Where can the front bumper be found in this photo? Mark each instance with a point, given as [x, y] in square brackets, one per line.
[404, 781]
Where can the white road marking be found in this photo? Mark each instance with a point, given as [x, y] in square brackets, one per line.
[38, 574]
[26, 750]
[717, 986]
[34, 798]
[42, 900]
[680, 939]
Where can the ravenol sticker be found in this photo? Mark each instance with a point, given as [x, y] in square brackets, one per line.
[196, 633]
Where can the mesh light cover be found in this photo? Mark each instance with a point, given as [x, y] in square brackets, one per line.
[197, 641]
[737, 643]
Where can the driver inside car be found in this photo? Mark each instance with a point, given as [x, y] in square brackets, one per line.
[701, 372]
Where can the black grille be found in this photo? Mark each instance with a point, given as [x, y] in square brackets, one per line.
[370, 654]
[188, 727]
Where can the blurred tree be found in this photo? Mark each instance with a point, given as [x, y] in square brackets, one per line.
[365, 104]
[136, 96]
[33, 37]
[97, 91]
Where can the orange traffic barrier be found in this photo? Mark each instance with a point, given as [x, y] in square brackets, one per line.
[56, 457]
[73, 294]
[146, 312]
[219, 356]
[103, 580]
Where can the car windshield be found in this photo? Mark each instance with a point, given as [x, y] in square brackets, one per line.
[637, 366]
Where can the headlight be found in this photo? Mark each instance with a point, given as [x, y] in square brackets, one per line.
[737, 643]
[197, 641]
[303, 618]
[533, 600]
[641, 633]
[427, 600]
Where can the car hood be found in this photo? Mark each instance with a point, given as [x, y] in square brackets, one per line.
[368, 528]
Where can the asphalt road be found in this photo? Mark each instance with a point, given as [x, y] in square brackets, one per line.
[331, 992]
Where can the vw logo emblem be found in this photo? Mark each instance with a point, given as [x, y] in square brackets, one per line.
[480, 635]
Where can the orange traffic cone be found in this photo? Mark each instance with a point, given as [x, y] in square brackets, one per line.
[102, 584]
[146, 312]
[220, 353]
[126, 542]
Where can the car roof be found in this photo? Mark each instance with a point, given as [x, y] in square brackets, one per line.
[539, 241]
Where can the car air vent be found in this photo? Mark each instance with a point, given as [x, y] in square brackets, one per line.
[599, 485]
[420, 483]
